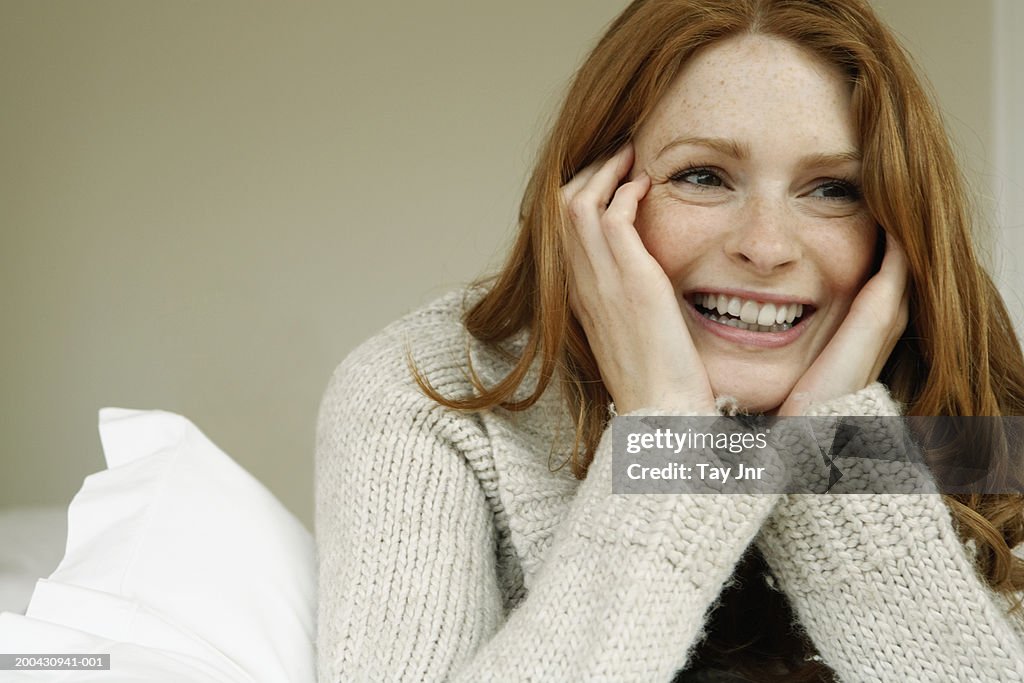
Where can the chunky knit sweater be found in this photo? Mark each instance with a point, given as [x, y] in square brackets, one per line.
[451, 546]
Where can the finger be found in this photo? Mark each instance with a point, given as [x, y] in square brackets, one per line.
[904, 311]
[899, 269]
[619, 222]
[893, 279]
[583, 177]
[877, 306]
[894, 268]
[578, 181]
[598, 191]
[585, 271]
[582, 208]
[623, 247]
[574, 299]
[586, 207]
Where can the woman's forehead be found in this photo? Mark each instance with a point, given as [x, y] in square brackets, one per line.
[746, 87]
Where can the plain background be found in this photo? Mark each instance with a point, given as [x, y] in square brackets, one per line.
[205, 206]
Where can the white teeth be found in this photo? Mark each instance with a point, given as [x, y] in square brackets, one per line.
[749, 314]
[740, 325]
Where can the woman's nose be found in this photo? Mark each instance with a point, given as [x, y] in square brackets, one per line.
[763, 238]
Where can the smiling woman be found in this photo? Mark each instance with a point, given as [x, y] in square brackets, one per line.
[743, 205]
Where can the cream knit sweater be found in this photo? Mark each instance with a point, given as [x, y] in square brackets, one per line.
[450, 550]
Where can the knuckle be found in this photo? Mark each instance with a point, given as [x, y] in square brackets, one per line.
[577, 207]
[617, 215]
[625, 192]
[574, 210]
[608, 222]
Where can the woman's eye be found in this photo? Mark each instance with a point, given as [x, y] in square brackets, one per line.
[701, 177]
[836, 190]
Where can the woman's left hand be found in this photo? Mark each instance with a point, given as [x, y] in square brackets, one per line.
[857, 352]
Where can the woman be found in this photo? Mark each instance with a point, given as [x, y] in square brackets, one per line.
[748, 202]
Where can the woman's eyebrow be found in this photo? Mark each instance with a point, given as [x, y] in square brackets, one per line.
[824, 160]
[741, 151]
[732, 148]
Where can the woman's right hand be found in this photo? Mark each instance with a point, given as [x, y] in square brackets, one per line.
[623, 298]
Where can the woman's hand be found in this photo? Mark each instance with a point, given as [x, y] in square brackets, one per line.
[624, 300]
[857, 353]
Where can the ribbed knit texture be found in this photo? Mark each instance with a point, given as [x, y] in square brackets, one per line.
[451, 548]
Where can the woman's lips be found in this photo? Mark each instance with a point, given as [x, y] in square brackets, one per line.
[795, 320]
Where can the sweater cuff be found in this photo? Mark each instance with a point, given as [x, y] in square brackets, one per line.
[871, 401]
[877, 453]
[887, 591]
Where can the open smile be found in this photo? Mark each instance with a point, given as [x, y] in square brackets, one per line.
[751, 321]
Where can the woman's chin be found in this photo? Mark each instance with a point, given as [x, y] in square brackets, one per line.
[753, 400]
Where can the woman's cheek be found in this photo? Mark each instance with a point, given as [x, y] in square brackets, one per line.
[857, 245]
[673, 232]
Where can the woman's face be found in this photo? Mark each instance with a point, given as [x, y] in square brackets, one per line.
[755, 212]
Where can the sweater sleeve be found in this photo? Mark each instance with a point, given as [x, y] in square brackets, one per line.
[407, 559]
[883, 585]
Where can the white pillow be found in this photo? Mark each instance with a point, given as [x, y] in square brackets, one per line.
[175, 547]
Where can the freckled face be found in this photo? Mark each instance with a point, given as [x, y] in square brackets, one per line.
[755, 212]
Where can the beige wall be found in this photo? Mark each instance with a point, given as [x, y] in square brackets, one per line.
[1008, 153]
[206, 205]
[952, 42]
